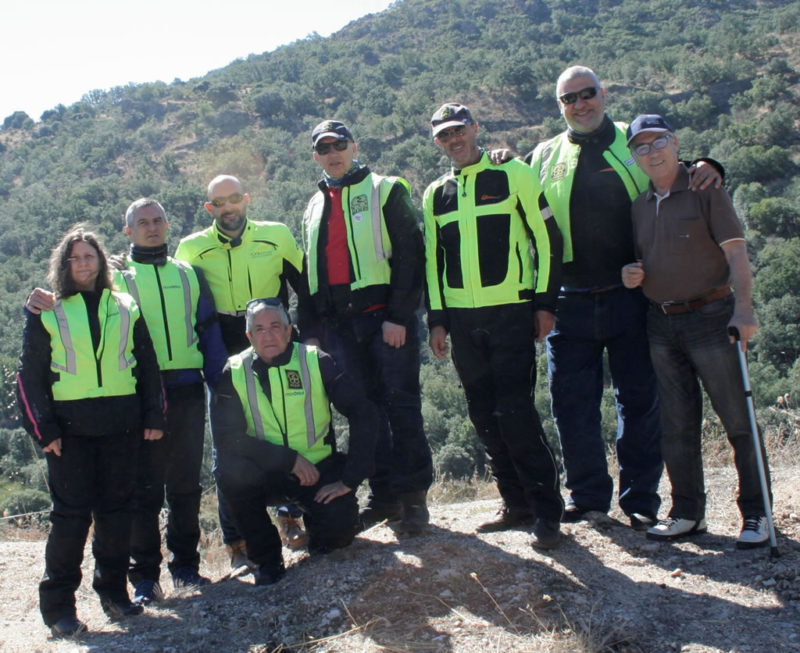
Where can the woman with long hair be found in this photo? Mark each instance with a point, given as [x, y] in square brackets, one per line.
[89, 391]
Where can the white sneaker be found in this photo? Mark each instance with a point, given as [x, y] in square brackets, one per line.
[672, 527]
[754, 532]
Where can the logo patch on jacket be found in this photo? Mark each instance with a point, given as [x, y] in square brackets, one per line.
[293, 380]
[359, 204]
[559, 171]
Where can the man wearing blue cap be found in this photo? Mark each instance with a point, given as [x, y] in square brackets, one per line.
[690, 250]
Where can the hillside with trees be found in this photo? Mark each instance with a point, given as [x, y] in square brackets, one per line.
[724, 72]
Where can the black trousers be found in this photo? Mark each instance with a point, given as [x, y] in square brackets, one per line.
[93, 479]
[250, 490]
[172, 464]
[494, 352]
[389, 376]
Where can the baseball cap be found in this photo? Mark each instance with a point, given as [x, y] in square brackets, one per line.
[647, 122]
[450, 115]
[331, 129]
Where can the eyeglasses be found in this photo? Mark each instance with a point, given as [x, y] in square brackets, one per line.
[446, 134]
[88, 258]
[658, 144]
[584, 94]
[236, 198]
[324, 148]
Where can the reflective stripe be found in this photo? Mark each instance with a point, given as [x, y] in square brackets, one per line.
[125, 320]
[252, 394]
[188, 313]
[66, 340]
[133, 289]
[311, 435]
[377, 221]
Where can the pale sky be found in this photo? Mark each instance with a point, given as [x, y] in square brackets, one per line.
[53, 51]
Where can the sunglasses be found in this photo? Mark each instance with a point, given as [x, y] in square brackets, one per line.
[658, 144]
[236, 198]
[272, 302]
[584, 94]
[324, 148]
[446, 134]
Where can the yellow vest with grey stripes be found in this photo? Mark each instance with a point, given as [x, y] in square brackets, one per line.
[167, 296]
[298, 415]
[367, 238]
[83, 372]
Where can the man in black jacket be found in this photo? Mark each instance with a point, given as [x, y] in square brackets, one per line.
[275, 443]
[365, 264]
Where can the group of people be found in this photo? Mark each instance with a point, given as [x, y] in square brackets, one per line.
[601, 240]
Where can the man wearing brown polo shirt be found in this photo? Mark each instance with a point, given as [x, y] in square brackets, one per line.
[691, 249]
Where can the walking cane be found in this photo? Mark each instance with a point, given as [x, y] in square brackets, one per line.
[751, 409]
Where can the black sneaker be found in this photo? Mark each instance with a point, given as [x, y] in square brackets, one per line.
[188, 577]
[507, 519]
[375, 513]
[146, 592]
[69, 626]
[574, 513]
[120, 609]
[641, 521]
[545, 534]
[269, 574]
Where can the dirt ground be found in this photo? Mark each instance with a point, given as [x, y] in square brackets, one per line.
[606, 588]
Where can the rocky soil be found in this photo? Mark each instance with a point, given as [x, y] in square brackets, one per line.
[606, 588]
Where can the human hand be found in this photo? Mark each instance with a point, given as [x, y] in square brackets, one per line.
[633, 275]
[40, 300]
[331, 491]
[54, 447]
[742, 327]
[117, 262]
[437, 341]
[153, 434]
[305, 471]
[500, 156]
[394, 335]
[703, 175]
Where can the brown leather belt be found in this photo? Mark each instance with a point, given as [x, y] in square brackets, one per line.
[676, 308]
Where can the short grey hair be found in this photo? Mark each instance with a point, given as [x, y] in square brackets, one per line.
[256, 306]
[577, 71]
[140, 204]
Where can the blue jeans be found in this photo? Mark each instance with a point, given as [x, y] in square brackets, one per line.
[685, 348]
[389, 376]
[586, 324]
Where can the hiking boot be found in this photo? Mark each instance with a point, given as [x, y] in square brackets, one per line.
[545, 534]
[291, 532]
[415, 513]
[574, 513]
[507, 519]
[117, 609]
[146, 592]
[188, 577]
[674, 527]
[269, 574]
[755, 532]
[375, 513]
[69, 626]
[641, 521]
[240, 564]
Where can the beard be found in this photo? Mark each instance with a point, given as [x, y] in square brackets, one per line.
[232, 221]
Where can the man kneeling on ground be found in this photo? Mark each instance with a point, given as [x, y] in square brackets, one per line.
[275, 442]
